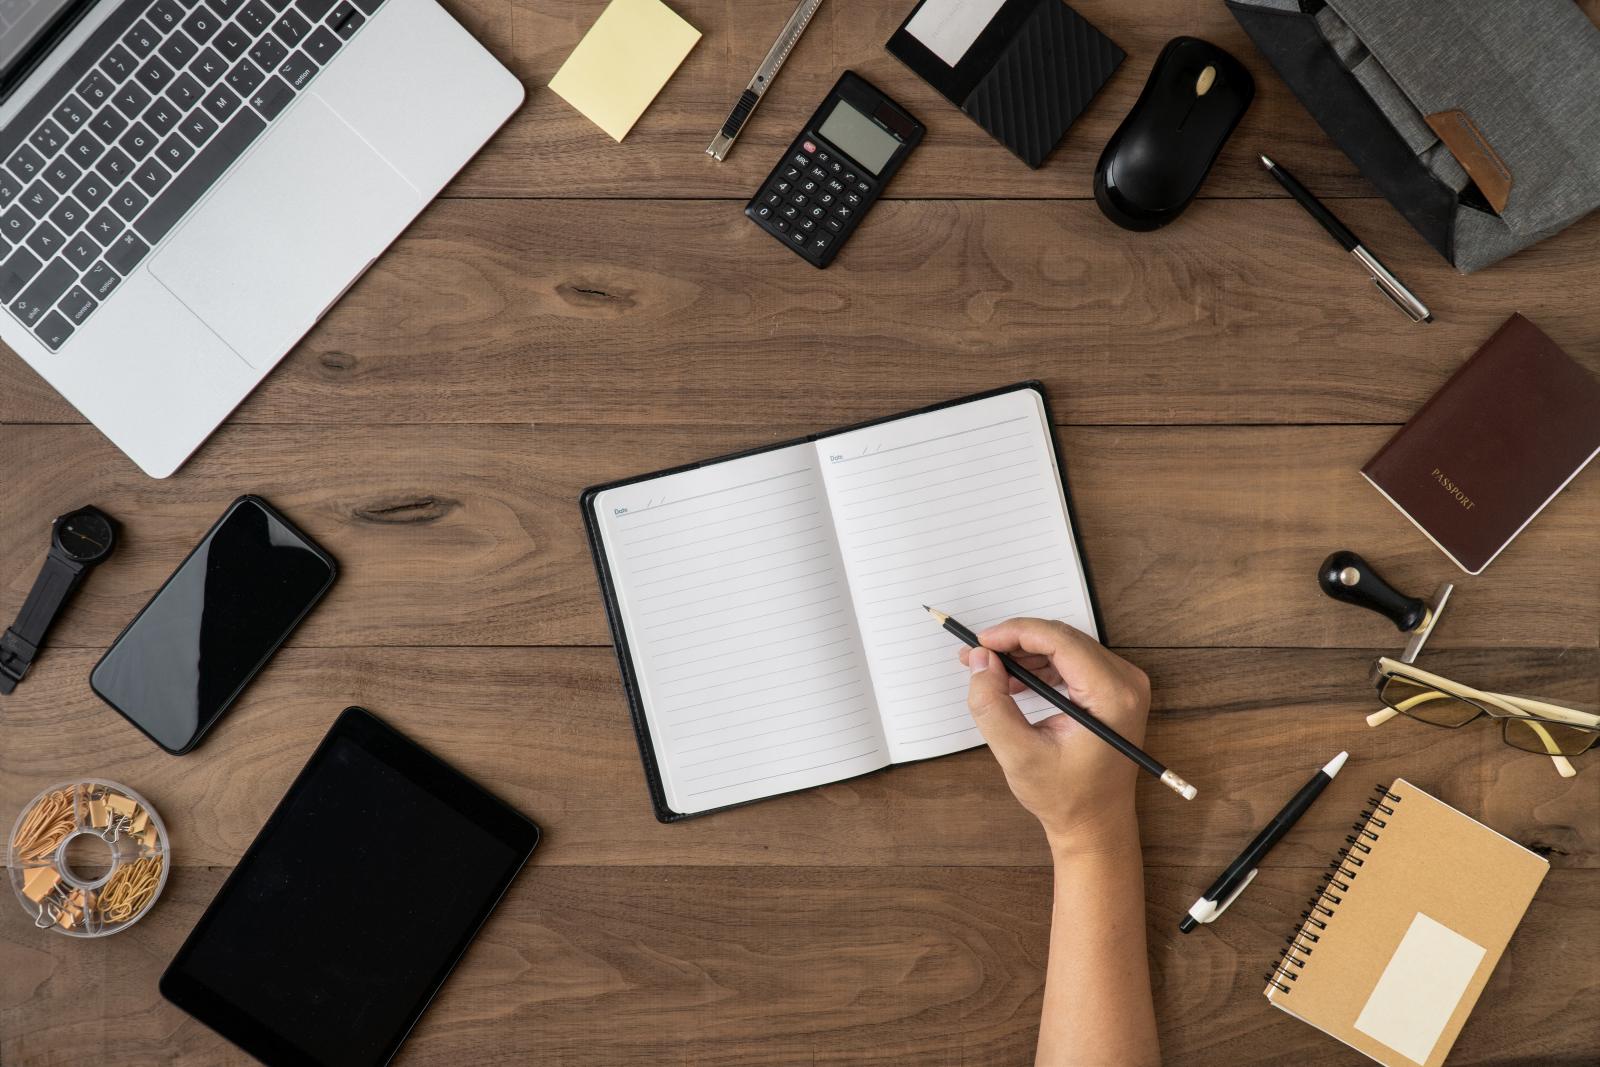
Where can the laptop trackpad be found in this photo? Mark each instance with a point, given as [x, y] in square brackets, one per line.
[285, 232]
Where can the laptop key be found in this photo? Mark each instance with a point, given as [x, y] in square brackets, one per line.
[291, 28]
[78, 305]
[42, 293]
[25, 163]
[231, 42]
[151, 177]
[92, 191]
[39, 198]
[96, 88]
[198, 127]
[321, 45]
[255, 17]
[345, 19]
[273, 97]
[165, 15]
[105, 227]
[69, 215]
[131, 99]
[224, 7]
[161, 117]
[100, 280]
[221, 102]
[118, 63]
[108, 124]
[142, 39]
[155, 75]
[278, 5]
[297, 70]
[15, 223]
[174, 152]
[45, 240]
[128, 202]
[138, 142]
[368, 6]
[126, 252]
[48, 137]
[314, 9]
[268, 53]
[84, 149]
[9, 188]
[201, 24]
[192, 181]
[208, 66]
[185, 91]
[54, 330]
[15, 272]
[81, 252]
[179, 49]
[71, 114]
[114, 165]
[61, 173]
[245, 77]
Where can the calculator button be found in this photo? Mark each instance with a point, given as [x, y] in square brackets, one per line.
[863, 188]
[823, 157]
[825, 198]
[790, 211]
[802, 161]
[798, 235]
[807, 225]
[850, 178]
[820, 242]
[773, 199]
[833, 224]
[818, 212]
[792, 174]
[818, 173]
[781, 225]
[852, 199]
[809, 187]
[763, 212]
[834, 167]
[843, 212]
[809, 146]
[835, 185]
[782, 187]
[798, 200]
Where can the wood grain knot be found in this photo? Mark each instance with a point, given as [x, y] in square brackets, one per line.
[1546, 850]
[415, 509]
[590, 296]
[337, 361]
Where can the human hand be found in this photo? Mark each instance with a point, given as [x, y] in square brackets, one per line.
[1080, 788]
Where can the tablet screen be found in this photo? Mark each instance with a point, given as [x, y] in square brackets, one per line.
[352, 905]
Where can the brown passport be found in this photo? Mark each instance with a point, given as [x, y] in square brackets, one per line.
[1493, 446]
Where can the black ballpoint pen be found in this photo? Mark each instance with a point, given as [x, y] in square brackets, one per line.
[1105, 733]
[1240, 872]
[1403, 298]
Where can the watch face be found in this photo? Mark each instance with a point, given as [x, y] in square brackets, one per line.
[85, 535]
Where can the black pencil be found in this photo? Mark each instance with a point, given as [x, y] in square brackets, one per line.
[1094, 725]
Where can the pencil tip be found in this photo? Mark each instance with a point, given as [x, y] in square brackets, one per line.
[936, 613]
[1265, 162]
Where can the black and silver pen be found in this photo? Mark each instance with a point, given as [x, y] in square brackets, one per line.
[1227, 888]
[1403, 298]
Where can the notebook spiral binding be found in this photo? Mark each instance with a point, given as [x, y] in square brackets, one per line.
[1336, 882]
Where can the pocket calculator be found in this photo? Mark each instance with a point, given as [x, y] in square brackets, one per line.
[814, 198]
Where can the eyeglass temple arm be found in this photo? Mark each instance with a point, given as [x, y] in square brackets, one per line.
[1564, 766]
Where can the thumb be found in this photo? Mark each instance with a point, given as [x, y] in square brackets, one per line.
[997, 716]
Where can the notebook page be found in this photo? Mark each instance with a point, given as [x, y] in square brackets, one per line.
[741, 629]
[961, 509]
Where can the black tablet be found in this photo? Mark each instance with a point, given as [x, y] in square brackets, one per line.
[352, 905]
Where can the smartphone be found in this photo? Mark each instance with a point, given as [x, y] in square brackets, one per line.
[213, 625]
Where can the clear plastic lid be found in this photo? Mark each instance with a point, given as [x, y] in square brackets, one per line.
[115, 830]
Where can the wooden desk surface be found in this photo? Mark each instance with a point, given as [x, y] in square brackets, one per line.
[573, 311]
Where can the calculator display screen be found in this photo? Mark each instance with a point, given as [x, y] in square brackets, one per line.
[859, 137]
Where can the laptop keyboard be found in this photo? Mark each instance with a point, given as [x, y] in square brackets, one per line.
[111, 154]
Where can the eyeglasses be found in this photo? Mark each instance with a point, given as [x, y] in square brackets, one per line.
[1527, 725]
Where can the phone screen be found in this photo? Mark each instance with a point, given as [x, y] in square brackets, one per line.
[213, 625]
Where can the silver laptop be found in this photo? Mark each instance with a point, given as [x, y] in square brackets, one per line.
[186, 186]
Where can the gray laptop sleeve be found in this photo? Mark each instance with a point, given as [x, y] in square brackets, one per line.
[1478, 119]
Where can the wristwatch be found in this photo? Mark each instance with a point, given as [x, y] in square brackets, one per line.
[78, 540]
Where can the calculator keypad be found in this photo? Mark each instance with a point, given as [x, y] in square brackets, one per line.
[813, 200]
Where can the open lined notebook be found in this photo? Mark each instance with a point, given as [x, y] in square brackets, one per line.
[767, 607]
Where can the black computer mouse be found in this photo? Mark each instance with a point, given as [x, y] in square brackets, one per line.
[1155, 162]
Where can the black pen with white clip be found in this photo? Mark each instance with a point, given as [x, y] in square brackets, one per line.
[1226, 889]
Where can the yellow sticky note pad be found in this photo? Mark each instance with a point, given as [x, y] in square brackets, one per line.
[623, 62]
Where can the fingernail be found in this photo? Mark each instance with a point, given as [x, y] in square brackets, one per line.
[978, 660]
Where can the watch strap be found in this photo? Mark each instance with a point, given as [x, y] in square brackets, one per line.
[56, 581]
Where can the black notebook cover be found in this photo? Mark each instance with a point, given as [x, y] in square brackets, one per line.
[619, 633]
[1025, 78]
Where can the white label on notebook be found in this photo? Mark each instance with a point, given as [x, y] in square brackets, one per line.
[948, 27]
[1420, 988]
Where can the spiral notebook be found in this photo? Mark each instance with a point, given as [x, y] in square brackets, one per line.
[1406, 929]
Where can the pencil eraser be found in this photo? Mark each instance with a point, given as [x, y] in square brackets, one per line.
[1189, 792]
